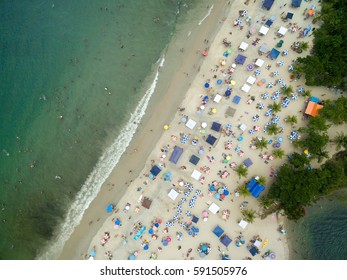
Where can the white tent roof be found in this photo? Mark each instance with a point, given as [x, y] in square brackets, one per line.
[259, 62]
[243, 224]
[257, 243]
[191, 123]
[214, 208]
[243, 46]
[173, 194]
[196, 175]
[243, 127]
[217, 98]
[245, 88]
[251, 80]
[282, 30]
[263, 30]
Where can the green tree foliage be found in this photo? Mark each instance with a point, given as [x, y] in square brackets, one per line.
[242, 171]
[326, 66]
[242, 190]
[287, 90]
[248, 215]
[272, 129]
[335, 112]
[314, 142]
[315, 124]
[261, 143]
[276, 107]
[292, 120]
[307, 93]
[295, 189]
[299, 160]
[261, 180]
[340, 141]
[278, 153]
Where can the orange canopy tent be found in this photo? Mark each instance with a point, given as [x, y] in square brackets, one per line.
[312, 109]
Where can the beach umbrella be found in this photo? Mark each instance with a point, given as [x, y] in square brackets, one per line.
[109, 208]
[131, 257]
[280, 139]
[290, 67]
[277, 145]
[227, 92]
[175, 218]
[274, 97]
[244, 13]
[207, 85]
[270, 85]
[265, 95]
[229, 51]
[300, 90]
[294, 96]
[145, 247]
[280, 63]
[285, 52]
[232, 82]
[240, 138]
[251, 131]
[257, 72]
[219, 82]
[261, 106]
[214, 110]
[250, 67]
[252, 30]
[281, 80]
[239, 21]
[92, 253]
[277, 92]
[275, 73]
[283, 85]
[204, 52]
[166, 127]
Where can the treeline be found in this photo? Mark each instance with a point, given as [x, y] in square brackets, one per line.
[327, 64]
[297, 184]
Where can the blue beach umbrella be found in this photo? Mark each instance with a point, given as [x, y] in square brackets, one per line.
[257, 72]
[290, 67]
[227, 92]
[109, 208]
[207, 85]
[219, 82]
[276, 73]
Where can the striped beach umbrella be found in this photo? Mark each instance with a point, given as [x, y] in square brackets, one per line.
[290, 67]
[188, 213]
[275, 73]
[270, 85]
[281, 80]
[190, 188]
[261, 106]
[187, 194]
[183, 199]
[294, 96]
[265, 95]
[175, 218]
[186, 184]
[300, 90]
[251, 131]
[285, 52]
[277, 92]
[280, 63]
[274, 97]
[179, 206]
[179, 212]
[283, 85]
[228, 126]
[244, 13]
[257, 72]
[239, 21]
[197, 192]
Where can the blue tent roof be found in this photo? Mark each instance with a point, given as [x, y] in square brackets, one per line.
[211, 139]
[268, 23]
[195, 219]
[240, 59]
[194, 159]
[314, 99]
[274, 53]
[176, 154]
[225, 240]
[254, 188]
[247, 162]
[290, 15]
[296, 3]
[236, 99]
[216, 126]
[218, 231]
[268, 4]
[253, 251]
[155, 170]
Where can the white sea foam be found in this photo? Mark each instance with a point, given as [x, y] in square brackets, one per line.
[205, 17]
[101, 171]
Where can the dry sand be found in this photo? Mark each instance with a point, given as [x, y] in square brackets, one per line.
[121, 243]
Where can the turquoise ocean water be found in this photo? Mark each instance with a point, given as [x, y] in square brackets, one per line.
[71, 81]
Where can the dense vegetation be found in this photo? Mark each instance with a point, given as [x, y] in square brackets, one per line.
[297, 184]
[326, 66]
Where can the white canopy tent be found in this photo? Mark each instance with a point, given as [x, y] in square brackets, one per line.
[263, 30]
[282, 31]
[214, 208]
[191, 124]
[173, 194]
[243, 224]
[243, 46]
[251, 80]
[196, 175]
[257, 243]
[243, 127]
[217, 98]
[259, 62]
[245, 88]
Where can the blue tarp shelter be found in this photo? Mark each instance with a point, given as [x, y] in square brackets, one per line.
[254, 188]
[268, 4]
[194, 159]
[176, 154]
[314, 99]
[195, 219]
[240, 59]
[216, 126]
[236, 99]
[274, 53]
[247, 162]
[211, 139]
[253, 251]
[225, 240]
[155, 170]
[289, 15]
[218, 231]
[296, 3]
[268, 23]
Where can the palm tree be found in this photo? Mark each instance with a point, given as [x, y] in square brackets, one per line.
[279, 153]
[248, 215]
[261, 180]
[298, 70]
[276, 107]
[265, 201]
[272, 129]
[287, 90]
[242, 190]
[307, 93]
[340, 141]
[292, 120]
[303, 46]
[242, 171]
[261, 143]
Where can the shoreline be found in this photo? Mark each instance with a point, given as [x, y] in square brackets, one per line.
[150, 130]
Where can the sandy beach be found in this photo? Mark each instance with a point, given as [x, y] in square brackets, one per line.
[171, 215]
